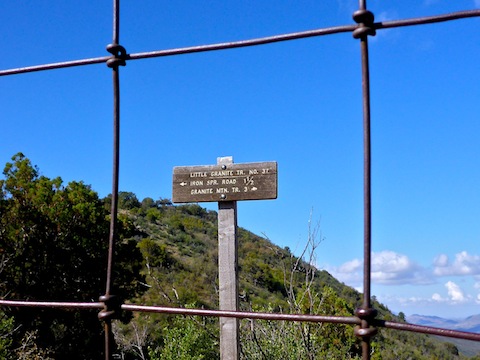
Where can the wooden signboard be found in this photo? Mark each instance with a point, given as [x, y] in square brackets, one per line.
[225, 182]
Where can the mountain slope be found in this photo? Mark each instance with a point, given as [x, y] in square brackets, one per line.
[165, 255]
[179, 244]
[470, 324]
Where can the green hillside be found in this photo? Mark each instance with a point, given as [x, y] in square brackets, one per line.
[52, 247]
[179, 245]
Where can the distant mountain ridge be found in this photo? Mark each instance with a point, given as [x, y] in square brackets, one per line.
[470, 323]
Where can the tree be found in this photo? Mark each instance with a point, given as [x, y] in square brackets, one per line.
[262, 339]
[127, 200]
[55, 241]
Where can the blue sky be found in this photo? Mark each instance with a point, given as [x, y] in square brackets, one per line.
[297, 103]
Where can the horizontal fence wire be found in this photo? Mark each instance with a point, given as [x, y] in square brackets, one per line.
[347, 320]
[53, 304]
[246, 43]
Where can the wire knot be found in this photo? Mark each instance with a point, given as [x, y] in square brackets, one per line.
[366, 315]
[119, 55]
[112, 307]
[365, 332]
[366, 26]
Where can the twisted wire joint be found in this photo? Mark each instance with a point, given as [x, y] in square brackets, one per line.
[119, 55]
[365, 20]
[366, 315]
[112, 307]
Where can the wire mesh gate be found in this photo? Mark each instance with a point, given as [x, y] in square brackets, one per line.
[365, 321]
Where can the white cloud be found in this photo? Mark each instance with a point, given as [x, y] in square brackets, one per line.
[464, 264]
[391, 268]
[476, 286]
[349, 273]
[455, 297]
[455, 293]
[390, 261]
[415, 301]
[351, 266]
[441, 260]
[388, 268]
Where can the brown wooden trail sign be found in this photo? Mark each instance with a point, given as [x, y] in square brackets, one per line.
[225, 182]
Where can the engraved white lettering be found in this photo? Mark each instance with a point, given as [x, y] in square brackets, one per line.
[222, 191]
[196, 183]
[229, 181]
[198, 174]
[221, 173]
[201, 191]
[249, 180]
[212, 182]
[253, 172]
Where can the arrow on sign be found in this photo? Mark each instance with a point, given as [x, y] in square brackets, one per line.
[254, 188]
[183, 183]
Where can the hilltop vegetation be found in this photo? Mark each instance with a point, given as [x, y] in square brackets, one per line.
[53, 246]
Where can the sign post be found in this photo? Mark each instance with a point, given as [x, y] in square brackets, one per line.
[228, 274]
[226, 183]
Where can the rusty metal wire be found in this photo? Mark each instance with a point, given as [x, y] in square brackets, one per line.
[112, 303]
[246, 43]
[365, 21]
[243, 314]
[52, 304]
[348, 320]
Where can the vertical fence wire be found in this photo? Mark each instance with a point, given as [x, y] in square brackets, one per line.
[107, 298]
[367, 206]
[365, 20]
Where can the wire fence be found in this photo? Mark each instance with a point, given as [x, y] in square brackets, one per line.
[365, 321]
